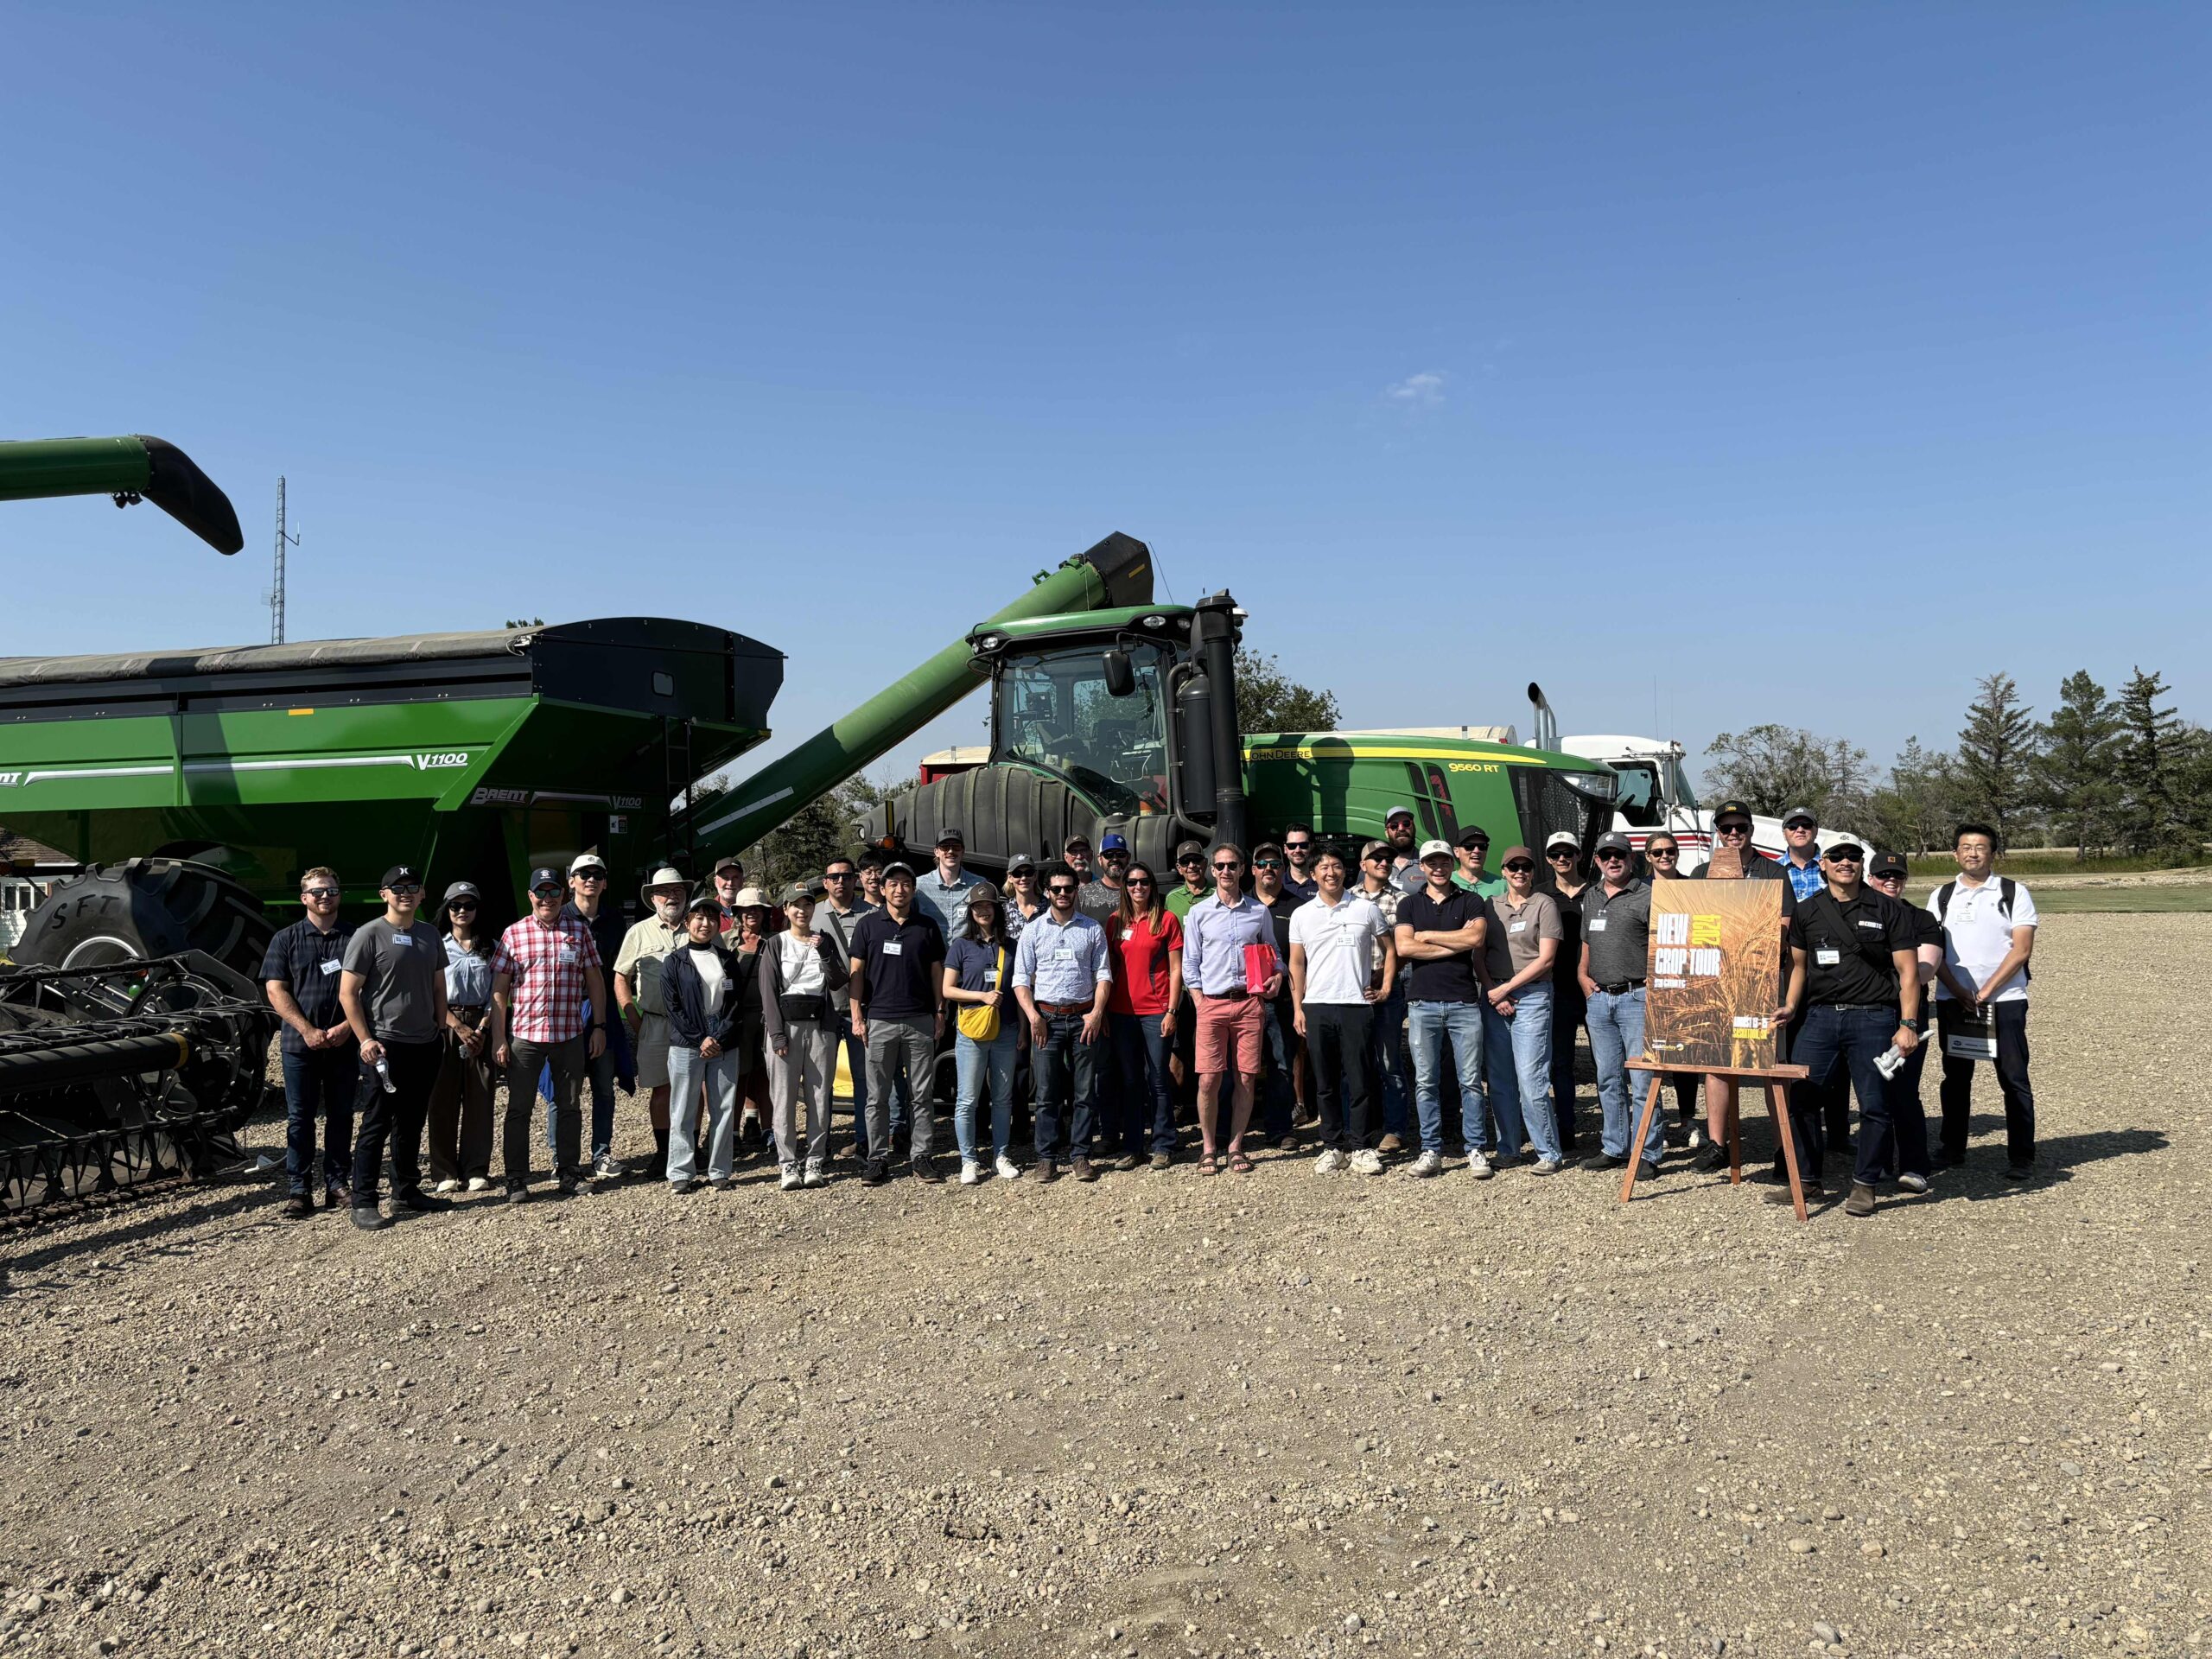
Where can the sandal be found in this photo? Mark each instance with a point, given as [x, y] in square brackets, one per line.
[1208, 1164]
[1239, 1164]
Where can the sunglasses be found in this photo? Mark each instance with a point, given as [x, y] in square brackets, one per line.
[319, 893]
[541, 893]
[1733, 831]
[1059, 886]
[1660, 852]
[1229, 868]
[1610, 857]
[1266, 863]
[1296, 846]
[1886, 875]
[1136, 881]
[1560, 852]
[589, 875]
[1521, 866]
[404, 889]
[1844, 858]
[462, 906]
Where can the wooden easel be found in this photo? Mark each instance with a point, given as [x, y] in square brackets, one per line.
[1777, 1079]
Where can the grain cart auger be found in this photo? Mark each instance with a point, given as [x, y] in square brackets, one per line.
[127, 470]
[115, 1076]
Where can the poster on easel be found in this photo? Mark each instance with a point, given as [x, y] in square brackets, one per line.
[1713, 978]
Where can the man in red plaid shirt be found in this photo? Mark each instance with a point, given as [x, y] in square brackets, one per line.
[547, 967]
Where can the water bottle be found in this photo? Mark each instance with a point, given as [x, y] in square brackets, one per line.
[1889, 1061]
[384, 1075]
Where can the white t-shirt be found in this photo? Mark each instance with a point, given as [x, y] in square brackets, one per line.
[1977, 937]
[802, 965]
[1339, 946]
[708, 961]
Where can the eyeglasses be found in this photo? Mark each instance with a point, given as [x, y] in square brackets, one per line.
[837, 875]
[318, 892]
[1521, 866]
[404, 889]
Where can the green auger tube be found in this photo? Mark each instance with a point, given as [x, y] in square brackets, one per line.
[129, 469]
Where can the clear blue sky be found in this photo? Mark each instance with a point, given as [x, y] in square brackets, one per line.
[1445, 338]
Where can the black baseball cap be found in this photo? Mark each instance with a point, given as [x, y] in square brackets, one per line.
[399, 875]
[1021, 861]
[1728, 810]
[897, 867]
[1473, 836]
[950, 838]
[543, 876]
[1613, 842]
[1189, 849]
[1887, 864]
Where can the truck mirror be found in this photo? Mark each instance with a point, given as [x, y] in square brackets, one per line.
[1120, 679]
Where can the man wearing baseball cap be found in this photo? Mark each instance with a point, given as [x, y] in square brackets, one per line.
[547, 974]
[643, 1001]
[1801, 859]
[1191, 865]
[1387, 1063]
[1398, 832]
[587, 904]
[1854, 970]
[1439, 936]
[1615, 942]
[1472, 848]
[943, 893]
[1886, 874]
[393, 990]
[1100, 898]
[1566, 879]
[898, 1012]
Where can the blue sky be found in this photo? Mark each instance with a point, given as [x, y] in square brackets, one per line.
[1874, 339]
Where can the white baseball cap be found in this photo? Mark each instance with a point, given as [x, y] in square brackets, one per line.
[1435, 849]
[586, 861]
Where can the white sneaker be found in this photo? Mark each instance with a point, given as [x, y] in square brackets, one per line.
[792, 1179]
[1478, 1167]
[1330, 1162]
[479, 1184]
[816, 1176]
[607, 1167]
[1008, 1170]
[448, 1185]
[1544, 1166]
[1429, 1163]
[971, 1173]
[1367, 1162]
[1912, 1183]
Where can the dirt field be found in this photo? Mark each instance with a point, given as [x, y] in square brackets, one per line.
[1161, 1415]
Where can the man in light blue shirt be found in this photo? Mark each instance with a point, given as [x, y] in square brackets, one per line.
[943, 892]
[1062, 973]
[1231, 1015]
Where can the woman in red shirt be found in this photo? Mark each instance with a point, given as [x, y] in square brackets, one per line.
[1146, 939]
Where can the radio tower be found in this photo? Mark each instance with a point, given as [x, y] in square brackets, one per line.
[277, 593]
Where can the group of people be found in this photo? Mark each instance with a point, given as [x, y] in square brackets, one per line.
[1359, 989]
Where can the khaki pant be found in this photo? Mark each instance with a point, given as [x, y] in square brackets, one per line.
[810, 1066]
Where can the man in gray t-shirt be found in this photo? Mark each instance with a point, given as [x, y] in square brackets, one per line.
[393, 990]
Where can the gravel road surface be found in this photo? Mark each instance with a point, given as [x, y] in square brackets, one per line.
[1280, 1414]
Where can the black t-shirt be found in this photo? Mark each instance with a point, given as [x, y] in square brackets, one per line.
[1567, 982]
[901, 964]
[1441, 979]
[1847, 946]
[1285, 902]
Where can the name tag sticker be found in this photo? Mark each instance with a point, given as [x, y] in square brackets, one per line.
[1827, 955]
[407, 939]
[990, 978]
[894, 948]
[1063, 954]
[568, 953]
[332, 966]
[1517, 927]
[1872, 927]
[1597, 925]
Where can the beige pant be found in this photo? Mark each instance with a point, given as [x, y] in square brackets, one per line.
[652, 1051]
[810, 1066]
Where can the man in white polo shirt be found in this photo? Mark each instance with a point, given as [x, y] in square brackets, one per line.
[1342, 962]
[1989, 933]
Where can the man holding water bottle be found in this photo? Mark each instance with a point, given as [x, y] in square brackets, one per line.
[393, 991]
[1853, 962]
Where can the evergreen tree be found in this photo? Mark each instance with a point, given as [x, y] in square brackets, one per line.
[2074, 771]
[2147, 762]
[1915, 812]
[1997, 751]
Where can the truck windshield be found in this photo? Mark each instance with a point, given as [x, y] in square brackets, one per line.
[1638, 802]
[1053, 710]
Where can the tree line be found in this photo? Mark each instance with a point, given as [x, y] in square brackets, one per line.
[2102, 773]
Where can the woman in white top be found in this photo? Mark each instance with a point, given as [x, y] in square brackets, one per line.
[799, 969]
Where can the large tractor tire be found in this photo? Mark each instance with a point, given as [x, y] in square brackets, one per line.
[147, 907]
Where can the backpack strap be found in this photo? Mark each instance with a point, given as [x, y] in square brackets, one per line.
[1943, 899]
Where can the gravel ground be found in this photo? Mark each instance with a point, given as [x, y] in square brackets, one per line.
[1162, 1414]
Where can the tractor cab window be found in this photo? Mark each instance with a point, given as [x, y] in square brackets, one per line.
[1684, 795]
[1638, 802]
[1055, 711]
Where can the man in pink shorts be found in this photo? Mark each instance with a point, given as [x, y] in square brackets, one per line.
[1231, 1012]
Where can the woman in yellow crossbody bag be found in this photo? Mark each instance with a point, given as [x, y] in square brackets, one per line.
[975, 967]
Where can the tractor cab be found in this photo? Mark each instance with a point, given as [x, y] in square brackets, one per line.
[1092, 712]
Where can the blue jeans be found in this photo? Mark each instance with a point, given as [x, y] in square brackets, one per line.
[1387, 1065]
[1147, 1107]
[1063, 1057]
[978, 1063]
[1831, 1043]
[1278, 1093]
[1616, 1021]
[320, 1082]
[1428, 1024]
[1518, 1054]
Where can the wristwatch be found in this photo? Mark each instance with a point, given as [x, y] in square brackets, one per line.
[1910, 1025]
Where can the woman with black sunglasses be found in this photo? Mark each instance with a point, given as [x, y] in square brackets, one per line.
[1565, 878]
[1146, 940]
[1662, 857]
[459, 1112]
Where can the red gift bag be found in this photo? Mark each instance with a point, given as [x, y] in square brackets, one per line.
[1260, 966]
